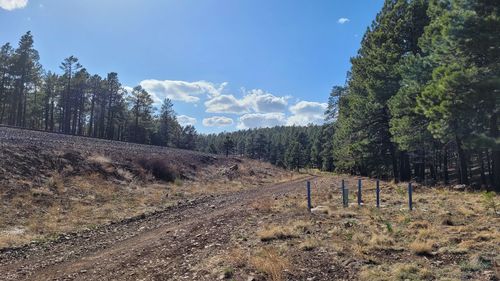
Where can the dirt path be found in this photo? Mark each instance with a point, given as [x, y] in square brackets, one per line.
[163, 246]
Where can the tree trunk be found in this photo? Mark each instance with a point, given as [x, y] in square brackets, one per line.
[395, 173]
[495, 153]
[404, 166]
[481, 162]
[445, 166]
[462, 171]
[488, 165]
[91, 120]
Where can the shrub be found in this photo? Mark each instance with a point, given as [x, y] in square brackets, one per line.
[159, 168]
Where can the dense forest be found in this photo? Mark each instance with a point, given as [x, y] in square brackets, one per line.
[421, 101]
[288, 147]
[76, 102]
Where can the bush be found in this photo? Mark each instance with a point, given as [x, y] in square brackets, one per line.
[159, 168]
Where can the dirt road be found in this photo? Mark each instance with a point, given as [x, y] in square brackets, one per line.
[162, 246]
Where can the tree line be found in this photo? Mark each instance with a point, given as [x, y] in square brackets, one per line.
[421, 102]
[79, 103]
[289, 147]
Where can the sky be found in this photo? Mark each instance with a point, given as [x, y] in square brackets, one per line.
[225, 64]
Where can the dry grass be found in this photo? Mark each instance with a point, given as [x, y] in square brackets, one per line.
[309, 244]
[422, 247]
[70, 203]
[238, 257]
[398, 271]
[264, 205]
[380, 242]
[103, 162]
[275, 232]
[447, 225]
[270, 262]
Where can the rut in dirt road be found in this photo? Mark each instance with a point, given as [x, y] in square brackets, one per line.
[162, 246]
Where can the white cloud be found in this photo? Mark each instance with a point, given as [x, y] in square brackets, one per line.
[128, 89]
[307, 112]
[10, 5]
[225, 104]
[181, 90]
[217, 121]
[343, 20]
[185, 120]
[256, 100]
[264, 102]
[258, 120]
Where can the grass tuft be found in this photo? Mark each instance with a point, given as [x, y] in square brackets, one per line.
[270, 262]
[276, 232]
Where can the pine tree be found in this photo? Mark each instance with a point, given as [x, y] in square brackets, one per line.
[6, 79]
[141, 105]
[25, 70]
[70, 67]
[228, 145]
[167, 122]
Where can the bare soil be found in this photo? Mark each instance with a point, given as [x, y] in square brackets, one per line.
[167, 245]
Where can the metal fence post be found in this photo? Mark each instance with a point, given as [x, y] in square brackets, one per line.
[309, 196]
[346, 192]
[342, 187]
[359, 192]
[377, 190]
[410, 196]
[345, 195]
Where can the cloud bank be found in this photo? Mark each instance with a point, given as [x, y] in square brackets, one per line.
[10, 5]
[189, 92]
[256, 100]
[258, 120]
[256, 108]
[217, 121]
[185, 120]
[307, 112]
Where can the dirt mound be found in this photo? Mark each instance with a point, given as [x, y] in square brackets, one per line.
[30, 158]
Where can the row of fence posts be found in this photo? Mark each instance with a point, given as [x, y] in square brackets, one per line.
[345, 194]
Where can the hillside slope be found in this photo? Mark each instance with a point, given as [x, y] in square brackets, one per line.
[53, 183]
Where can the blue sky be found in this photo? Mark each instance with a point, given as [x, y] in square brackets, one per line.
[226, 64]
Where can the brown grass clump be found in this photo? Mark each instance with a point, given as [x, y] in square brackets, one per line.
[427, 233]
[381, 242]
[309, 244]
[275, 232]
[55, 183]
[484, 236]
[410, 272]
[420, 247]
[302, 226]
[238, 257]
[419, 224]
[372, 274]
[264, 205]
[102, 162]
[14, 237]
[270, 262]
[399, 271]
